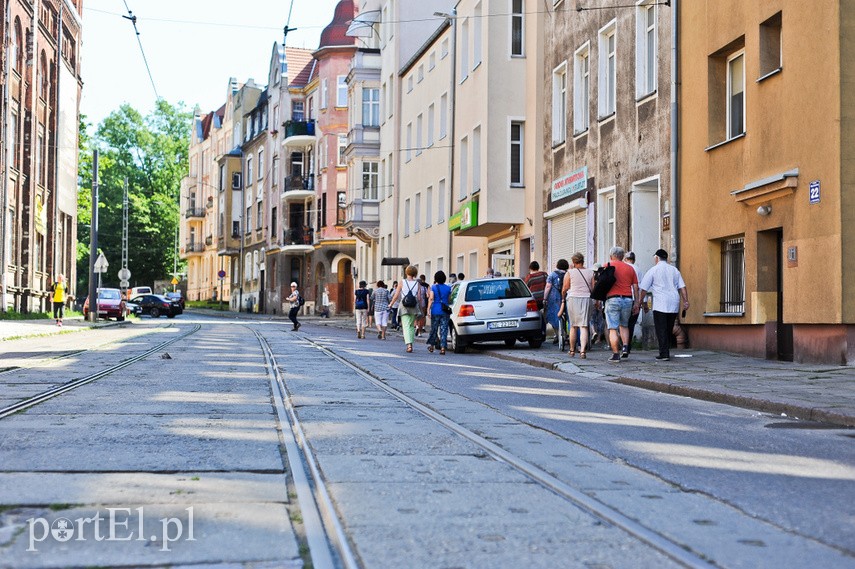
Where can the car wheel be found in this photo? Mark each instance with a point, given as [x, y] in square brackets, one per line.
[458, 345]
[155, 313]
[511, 342]
[535, 343]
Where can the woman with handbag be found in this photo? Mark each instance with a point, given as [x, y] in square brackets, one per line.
[578, 283]
[439, 313]
[408, 292]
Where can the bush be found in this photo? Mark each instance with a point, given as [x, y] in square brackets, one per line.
[15, 315]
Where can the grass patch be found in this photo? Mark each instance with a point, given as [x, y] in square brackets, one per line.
[209, 304]
[61, 507]
[15, 315]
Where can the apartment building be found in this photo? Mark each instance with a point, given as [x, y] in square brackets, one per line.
[497, 111]
[607, 173]
[766, 177]
[40, 125]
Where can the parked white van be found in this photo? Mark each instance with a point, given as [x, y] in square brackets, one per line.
[138, 290]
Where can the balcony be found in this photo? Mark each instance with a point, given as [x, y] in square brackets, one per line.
[299, 133]
[195, 213]
[209, 240]
[298, 188]
[298, 240]
[362, 219]
[193, 247]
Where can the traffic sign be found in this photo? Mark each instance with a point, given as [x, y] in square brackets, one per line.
[124, 284]
[221, 274]
[101, 264]
[175, 281]
[124, 274]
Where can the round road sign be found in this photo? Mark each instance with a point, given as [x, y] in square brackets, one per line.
[124, 274]
[221, 274]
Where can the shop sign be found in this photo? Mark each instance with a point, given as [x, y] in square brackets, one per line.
[466, 218]
[41, 216]
[575, 181]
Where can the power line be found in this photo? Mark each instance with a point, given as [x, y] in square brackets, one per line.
[133, 20]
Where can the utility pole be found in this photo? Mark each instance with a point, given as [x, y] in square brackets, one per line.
[93, 242]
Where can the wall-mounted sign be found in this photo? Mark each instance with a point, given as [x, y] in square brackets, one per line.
[466, 218]
[41, 216]
[814, 192]
[573, 182]
[666, 221]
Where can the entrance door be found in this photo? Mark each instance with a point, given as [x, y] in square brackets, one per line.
[646, 222]
[503, 263]
[784, 331]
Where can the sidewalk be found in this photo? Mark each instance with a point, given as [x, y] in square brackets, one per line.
[14, 329]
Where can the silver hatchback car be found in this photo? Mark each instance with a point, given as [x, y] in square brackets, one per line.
[490, 310]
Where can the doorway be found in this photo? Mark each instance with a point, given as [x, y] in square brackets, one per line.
[770, 284]
[645, 221]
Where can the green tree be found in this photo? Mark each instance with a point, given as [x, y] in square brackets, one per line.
[151, 153]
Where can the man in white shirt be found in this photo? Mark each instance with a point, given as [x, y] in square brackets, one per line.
[666, 284]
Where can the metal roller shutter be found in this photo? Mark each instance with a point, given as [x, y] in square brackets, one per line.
[568, 235]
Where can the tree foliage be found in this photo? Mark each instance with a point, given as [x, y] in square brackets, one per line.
[151, 153]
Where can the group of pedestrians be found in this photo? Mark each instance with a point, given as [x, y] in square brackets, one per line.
[568, 293]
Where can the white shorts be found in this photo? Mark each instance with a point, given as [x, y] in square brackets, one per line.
[381, 318]
[361, 317]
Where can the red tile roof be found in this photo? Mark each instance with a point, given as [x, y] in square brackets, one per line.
[299, 65]
[336, 32]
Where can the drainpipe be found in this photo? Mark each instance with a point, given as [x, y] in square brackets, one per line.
[453, 95]
[7, 157]
[675, 133]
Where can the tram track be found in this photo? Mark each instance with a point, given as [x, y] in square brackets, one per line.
[74, 384]
[676, 551]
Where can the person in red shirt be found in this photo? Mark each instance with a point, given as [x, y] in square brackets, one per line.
[620, 303]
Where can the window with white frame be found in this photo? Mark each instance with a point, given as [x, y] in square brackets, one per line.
[517, 27]
[476, 159]
[410, 83]
[259, 216]
[297, 111]
[581, 88]
[432, 60]
[274, 170]
[464, 50]
[420, 73]
[370, 180]
[249, 171]
[559, 104]
[440, 202]
[341, 91]
[430, 121]
[605, 224]
[443, 49]
[417, 212]
[408, 151]
[389, 184]
[464, 168]
[324, 94]
[371, 107]
[406, 217]
[342, 146]
[429, 207]
[419, 121]
[645, 48]
[516, 166]
[736, 95]
[476, 37]
[443, 116]
[607, 91]
[261, 163]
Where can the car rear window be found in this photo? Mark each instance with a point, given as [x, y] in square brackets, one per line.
[110, 294]
[496, 289]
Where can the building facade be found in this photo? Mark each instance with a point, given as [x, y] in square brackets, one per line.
[607, 134]
[766, 177]
[40, 123]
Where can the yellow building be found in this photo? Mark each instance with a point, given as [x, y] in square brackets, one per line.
[766, 173]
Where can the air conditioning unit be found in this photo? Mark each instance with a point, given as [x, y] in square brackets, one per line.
[236, 181]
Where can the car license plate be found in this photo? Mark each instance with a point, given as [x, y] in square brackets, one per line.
[503, 324]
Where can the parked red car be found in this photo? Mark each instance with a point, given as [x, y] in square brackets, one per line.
[110, 304]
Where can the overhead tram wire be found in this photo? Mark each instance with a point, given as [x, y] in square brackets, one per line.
[133, 20]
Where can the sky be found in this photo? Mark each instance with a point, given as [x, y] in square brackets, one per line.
[192, 48]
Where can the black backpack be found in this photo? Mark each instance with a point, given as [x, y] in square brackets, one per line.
[410, 299]
[300, 300]
[604, 280]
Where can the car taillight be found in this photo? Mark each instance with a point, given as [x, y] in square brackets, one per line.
[466, 310]
[166, 305]
[531, 306]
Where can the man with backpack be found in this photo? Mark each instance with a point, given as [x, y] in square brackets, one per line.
[620, 304]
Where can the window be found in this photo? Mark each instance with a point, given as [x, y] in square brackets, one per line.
[430, 121]
[260, 163]
[608, 68]
[581, 89]
[324, 94]
[249, 177]
[370, 180]
[429, 207]
[421, 73]
[16, 148]
[476, 37]
[771, 49]
[417, 213]
[409, 84]
[443, 49]
[370, 107]
[40, 168]
[406, 217]
[736, 95]
[389, 184]
[297, 111]
[418, 135]
[464, 50]
[645, 49]
[341, 91]
[517, 27]
[443, 116]
[464, 167]
[432, 60]
[275, 171]
[248, 224]
[559, 104]
[476, 159]
[259, 215]
[222, 186]
[517, 154]
[440, 200]
[273, 221]
[408, 152]
[605, 223]
[342, 146]
[733, 275]
[390, 100]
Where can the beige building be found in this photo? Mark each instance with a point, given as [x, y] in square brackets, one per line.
[496, 129]
[767, 177]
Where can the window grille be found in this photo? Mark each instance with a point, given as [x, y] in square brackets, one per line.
[733, 275]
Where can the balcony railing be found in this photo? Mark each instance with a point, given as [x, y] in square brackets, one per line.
[194, 212]
[299, 183]
[298, 236]
[194, 247]
[299, 128]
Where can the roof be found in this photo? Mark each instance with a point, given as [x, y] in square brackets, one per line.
[336, 32]
[299, 65]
